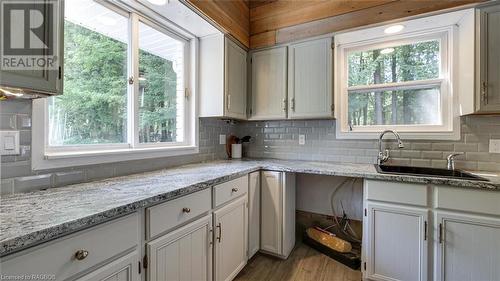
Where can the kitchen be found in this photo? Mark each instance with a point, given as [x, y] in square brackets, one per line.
[250, 140]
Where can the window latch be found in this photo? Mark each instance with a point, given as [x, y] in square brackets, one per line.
[131, 80]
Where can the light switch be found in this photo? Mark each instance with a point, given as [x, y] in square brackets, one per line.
[9, 142]
[222, 139]
[302, 139]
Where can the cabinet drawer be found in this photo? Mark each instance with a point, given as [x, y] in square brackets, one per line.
[58, 258]
[471, 200]
[227, 191]
[164, 217]
[397, 192]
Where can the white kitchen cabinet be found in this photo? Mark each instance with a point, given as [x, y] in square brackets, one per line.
[488, 70]
[230, 243]
[310, 79]
[223, 78]
[396, 247]
[467, 247]
[253, 213]
[269, 84]
[277, 234]
[47, 80]
[184, 254]
[122, 269]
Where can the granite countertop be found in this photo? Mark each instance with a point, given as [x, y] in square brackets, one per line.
[28, 219]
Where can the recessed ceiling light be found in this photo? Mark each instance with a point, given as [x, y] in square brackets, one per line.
[387, 51]
[105, 20]
[158, 2]
[394, 29]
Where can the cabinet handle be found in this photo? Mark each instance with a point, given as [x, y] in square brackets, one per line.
[219, 226]
[186, 210]
[234, 189]
[484, 92]
[284, 105]
[440, 233]
[293, 104]
[228, 101]
[81, 254]
[425, 231]
[211, 237]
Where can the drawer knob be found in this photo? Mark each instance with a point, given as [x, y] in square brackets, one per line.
[81, 254]
[186, 210]
[234, 189]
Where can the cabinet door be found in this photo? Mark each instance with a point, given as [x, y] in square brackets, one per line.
[269, 76]
[231, 239]
[271, 231]
[122, 269]
[467, 247]
[310, 79]
[489, 92]
[235, 93]
[397, 242]
[253, 213]
[184, 254]
[41, 80]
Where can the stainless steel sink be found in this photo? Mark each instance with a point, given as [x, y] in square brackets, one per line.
[427, 172]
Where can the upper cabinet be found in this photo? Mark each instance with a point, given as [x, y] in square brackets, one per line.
[310, 79]
[488, 53]
[223, 78]
[269, 81]
[293, 82]
[48, 77]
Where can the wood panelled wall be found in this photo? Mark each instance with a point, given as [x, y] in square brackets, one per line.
[282, 21]
[230, 15]
[262, 23]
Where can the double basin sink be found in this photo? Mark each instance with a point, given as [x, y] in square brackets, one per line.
[427, 172]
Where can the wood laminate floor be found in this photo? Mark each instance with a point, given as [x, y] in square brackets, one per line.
[304, 264]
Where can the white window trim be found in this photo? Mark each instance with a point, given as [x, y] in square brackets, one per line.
[431, 26]
[44, 157]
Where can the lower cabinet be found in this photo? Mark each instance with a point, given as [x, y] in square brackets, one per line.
[122, 269]
[397, 242]
[277, 233]
[467, 247]
[230, 232]
[184, 254]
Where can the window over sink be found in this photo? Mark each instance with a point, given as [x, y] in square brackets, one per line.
[125, 90]
[402, 81]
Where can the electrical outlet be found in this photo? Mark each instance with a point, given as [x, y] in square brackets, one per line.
[302, 139]
[222, 139]
[494, 146]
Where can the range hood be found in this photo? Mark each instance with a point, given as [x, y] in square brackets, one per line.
[9, 93]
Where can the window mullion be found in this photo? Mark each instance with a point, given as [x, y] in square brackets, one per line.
[396, 86]
[133, 88]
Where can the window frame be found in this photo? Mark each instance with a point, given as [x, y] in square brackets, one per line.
[45, 156]
[446, 34]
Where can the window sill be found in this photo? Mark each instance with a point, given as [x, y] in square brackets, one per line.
[78, 158]
[455, 135]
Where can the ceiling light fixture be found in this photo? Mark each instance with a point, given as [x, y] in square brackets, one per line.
[394, 29]
[158, 2]
[387, 51]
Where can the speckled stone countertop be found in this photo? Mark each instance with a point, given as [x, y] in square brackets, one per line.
[28, 219]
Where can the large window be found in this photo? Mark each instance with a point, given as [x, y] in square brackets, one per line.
[125, 85]
[401, 81]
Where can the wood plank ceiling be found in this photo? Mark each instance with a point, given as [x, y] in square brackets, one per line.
[263, 23]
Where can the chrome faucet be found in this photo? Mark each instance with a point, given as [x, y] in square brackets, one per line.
[450, 160]
[384, 156]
